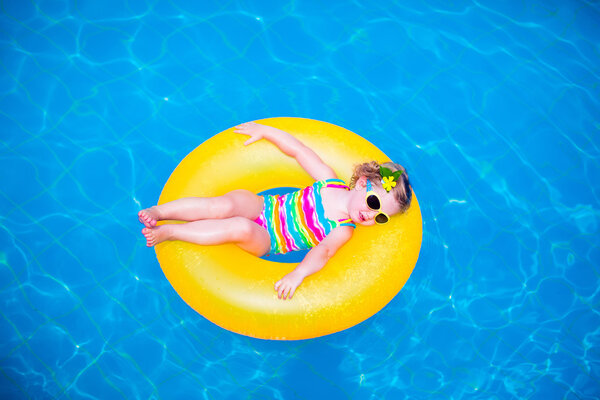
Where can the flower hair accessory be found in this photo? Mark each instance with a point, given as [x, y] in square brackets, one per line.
[389, 178]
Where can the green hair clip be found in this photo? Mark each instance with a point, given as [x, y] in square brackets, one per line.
[389, 178]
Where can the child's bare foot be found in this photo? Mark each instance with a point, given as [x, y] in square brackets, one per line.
[156, 235]
[149, 217]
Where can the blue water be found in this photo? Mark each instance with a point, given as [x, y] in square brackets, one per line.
[492, 106]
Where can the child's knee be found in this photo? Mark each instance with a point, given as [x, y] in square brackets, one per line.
[222, 207]
[242, 203]
[244, 229]
[226, 205]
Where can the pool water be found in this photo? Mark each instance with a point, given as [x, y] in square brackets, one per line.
[493, 107]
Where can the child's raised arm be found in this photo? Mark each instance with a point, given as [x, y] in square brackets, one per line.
[314, 261]
[289, 145]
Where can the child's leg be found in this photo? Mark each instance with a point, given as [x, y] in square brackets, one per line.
[241, 203]
[239, 230]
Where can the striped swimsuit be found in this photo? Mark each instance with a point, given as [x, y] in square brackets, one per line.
[296, 221]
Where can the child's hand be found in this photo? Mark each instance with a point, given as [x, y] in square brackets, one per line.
[287, 285]
[252, 129]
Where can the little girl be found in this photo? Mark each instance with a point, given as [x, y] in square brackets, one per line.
[321, 217]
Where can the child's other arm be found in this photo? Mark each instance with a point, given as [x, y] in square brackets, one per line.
[289, 145]
[314, 261]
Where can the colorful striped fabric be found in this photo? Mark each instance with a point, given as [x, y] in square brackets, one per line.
[296, 221]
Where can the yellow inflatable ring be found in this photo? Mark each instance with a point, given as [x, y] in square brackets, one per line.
[234, 289]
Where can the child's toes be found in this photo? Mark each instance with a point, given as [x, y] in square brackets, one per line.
[146, 219]
[151, 219]
[143, 218]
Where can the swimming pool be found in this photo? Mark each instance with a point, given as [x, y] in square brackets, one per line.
[493, 108]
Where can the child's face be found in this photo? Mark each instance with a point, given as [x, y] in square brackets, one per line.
[361, 213]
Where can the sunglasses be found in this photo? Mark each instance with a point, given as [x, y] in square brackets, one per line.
[374, 203]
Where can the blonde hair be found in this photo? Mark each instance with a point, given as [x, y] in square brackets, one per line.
[402, 191]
